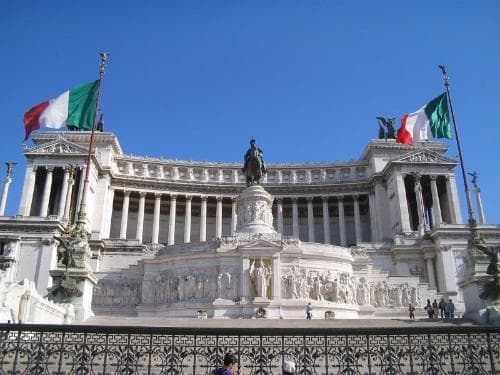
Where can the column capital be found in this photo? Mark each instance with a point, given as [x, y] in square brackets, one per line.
[309, 199]
[355, 197]
[279, 200]
[142, 194]
[429, 255]
[203, 198]
[126, 192]
[173, 197]
[417, 177]
[325, 198]
[433, 177]
[219, 198]
[67, 169]
[49, 168]
[158, 195]
[188, 197]
[233, 199]
[294, 199]
[340, 198]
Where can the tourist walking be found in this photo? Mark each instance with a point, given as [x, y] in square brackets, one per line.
[429, 309]
[309, 311]
[288, 368]
[441, 307]
[449, 310]
[411, 310]
[229, 366]
[435, 309]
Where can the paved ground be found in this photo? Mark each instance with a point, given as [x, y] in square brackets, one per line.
[272, 323]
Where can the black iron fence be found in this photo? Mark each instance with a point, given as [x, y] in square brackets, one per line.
[45, 349]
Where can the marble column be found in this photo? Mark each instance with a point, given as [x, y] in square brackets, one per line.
[343, 241]
[382, 212]
[420, 204]
[109, 209]
[295, 217]
[310, 219]
[124, 222]
[279, 211]
[44, 207]
[326, 221]
[140, 216]
[203, 219]
[436, 208]
[218, 218]
[373, 218]
[64, 191]
[357, 220]
[402, 203]
[156, 219]
[187, 220]
[453, 201]
[69, 194]
[6, 183]
[276, 277]
[430, 271]
[479, 202]
[234, 217]
[28, 189]
[171, 219]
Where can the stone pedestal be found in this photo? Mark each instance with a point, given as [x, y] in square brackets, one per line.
[254, 212]
[84, 282]
[473, 284]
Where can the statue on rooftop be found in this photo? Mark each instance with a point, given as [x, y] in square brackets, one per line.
[254, 167]
[389, 124]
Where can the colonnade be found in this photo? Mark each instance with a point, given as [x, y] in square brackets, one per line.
[324, 204]
[52, 198]
[434, 205]
[423, 201]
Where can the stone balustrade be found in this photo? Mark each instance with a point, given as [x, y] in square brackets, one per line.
[184, 171]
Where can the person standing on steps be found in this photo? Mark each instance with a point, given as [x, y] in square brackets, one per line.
[309, 310]
[441, 307]
[411, 310]
[435, 309]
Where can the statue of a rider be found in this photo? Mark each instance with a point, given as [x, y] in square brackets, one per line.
[254, 167]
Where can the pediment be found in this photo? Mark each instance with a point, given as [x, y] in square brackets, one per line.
[424, 157]
[259, 244]
[58, 146]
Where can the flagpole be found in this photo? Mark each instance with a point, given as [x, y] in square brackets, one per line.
[446, 79]
[80, 221]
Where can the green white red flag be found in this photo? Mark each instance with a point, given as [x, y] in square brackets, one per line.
[432, 120]
[73, 108]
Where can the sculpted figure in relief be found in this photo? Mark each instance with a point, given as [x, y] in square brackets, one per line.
[260, 275]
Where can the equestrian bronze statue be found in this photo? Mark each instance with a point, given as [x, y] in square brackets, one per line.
[254, 167]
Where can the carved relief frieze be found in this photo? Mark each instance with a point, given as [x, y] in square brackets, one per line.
[343, 287]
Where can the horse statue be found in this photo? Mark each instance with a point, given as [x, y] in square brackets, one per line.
[254, 167]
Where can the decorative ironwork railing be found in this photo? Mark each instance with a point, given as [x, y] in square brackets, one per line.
[44, 349]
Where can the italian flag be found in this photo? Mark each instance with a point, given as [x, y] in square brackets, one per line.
[74, 108]
[432, 120]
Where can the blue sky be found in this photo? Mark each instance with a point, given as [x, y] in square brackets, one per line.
[197, 79]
